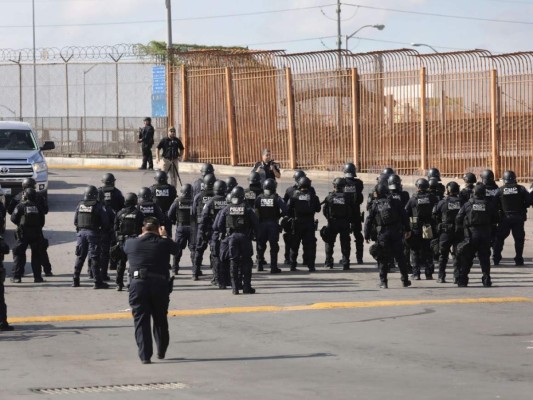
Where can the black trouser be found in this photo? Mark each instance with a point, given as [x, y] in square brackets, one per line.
[304, 232]
[339, 227]
[390, 238]
[45, 260]
[106, 241]
[199, 249]
[19, 256]
[357, 231]
[268, 232]
[121, 265]
[480, 242]
[287, 239]
[148, 299]
[3, 306]
[514, 224]
[88, 244]
[183, 237]
[240, 251]
[447, 242]
[192, 242]
[148, 161]
[421, 255]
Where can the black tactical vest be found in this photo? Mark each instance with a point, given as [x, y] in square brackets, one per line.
[31, 217]
[237, 220]
[205, 196]
[385, 214]
[337, 205]
[511, 199]
[147, 208]
[128, 225]
[453, 205]
[183, 211]
[424, 206]
[219, 203]
[87, 215]
[479, 214]
[303, 204]
[268, 208]
[250, 195]
[491, 190]
[162, 196]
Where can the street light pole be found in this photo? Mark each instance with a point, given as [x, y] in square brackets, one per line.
[20, 85]
[34, 65]
[169, 64]
[379, 27]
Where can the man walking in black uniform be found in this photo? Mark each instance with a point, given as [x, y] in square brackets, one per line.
[287, 235]
[146, 138]
[444, 215]
[270, 208]
[435, 185]
[150, 286]
[127, 224]
[476, 219]
[179, 214]
[198, 184]
[338, 208]
[512, 201]
[29, 220]
[302, 207]
[392, 224]
[354, 188]
[172, 149]
[164, 195]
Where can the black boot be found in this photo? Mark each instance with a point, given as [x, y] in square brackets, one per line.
[75, 282]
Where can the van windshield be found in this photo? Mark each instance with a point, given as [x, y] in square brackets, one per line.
[16, 139]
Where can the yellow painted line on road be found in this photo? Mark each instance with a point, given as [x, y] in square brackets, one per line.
[262, 309]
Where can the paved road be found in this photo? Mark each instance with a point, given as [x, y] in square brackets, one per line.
[330, 334]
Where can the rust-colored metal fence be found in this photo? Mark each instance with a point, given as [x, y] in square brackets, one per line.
[460, 111]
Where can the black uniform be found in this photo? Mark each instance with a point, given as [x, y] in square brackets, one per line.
[338, 209]
[269, 208]
[444, 215]
[354, 187]
[127, 224]
[199, 244]
[146, 136]
[30, 221]
[266, 170]
[251, 194]
[476, 218]
[164, 195]
[302, 207]
[179, 214]
[466, 193]
[4, 249]
[391, 221]
[172, 148]
[419, 210]
[113, 200]
[149, 258]
[512, 201]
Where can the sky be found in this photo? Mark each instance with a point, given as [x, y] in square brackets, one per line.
[500, 26]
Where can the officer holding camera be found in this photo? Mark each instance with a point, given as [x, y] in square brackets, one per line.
[267, 168]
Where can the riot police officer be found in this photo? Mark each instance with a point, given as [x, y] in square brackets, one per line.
[512, 201]
[287, 237]
[491, 187]
[4, 325]
[476, 219]
[90, 218]
[231, 182]
[338, 212]
[200, 200]
[470, 180]
[254, 189]
[269, 207]
[419, 210]
[435, 185]
[354, 188]
[444, 214]
[390, 218]
[180, 215]
[29, 220]
[205, 228]
[302, 207]
[127, 224]
[164, 195]
[197, 185]
[396, 192]
[239, 222]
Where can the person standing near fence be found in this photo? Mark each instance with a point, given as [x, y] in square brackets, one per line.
[172, 149]
[267, 168]
[146, 138]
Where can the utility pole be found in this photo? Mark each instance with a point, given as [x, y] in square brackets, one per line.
[34, 67]
[339, 35]
[169, 75]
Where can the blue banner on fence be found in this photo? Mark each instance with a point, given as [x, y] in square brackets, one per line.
[159, 91]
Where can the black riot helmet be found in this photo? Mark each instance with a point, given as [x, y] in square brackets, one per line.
[339, 184]
[161, 177]
[434, 173]
[237, 195]
[480, 191]
[28, 183]
[219, 187]
[145, 194]
[388, 171]
[509, 177]
[108, 179]
[487, 176]
[422, 184]
[207, 168]
[382, 190]
[298, 174]
[433, 183]
[469, 177]
[130, 199]
[349, 170]
[186, 190]
[254, 178]
[91, 193]
[209, 181]
[304, 183]
[269, 186]
[231, 182]
[29, 194]
[452, 188]
[395, 182]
